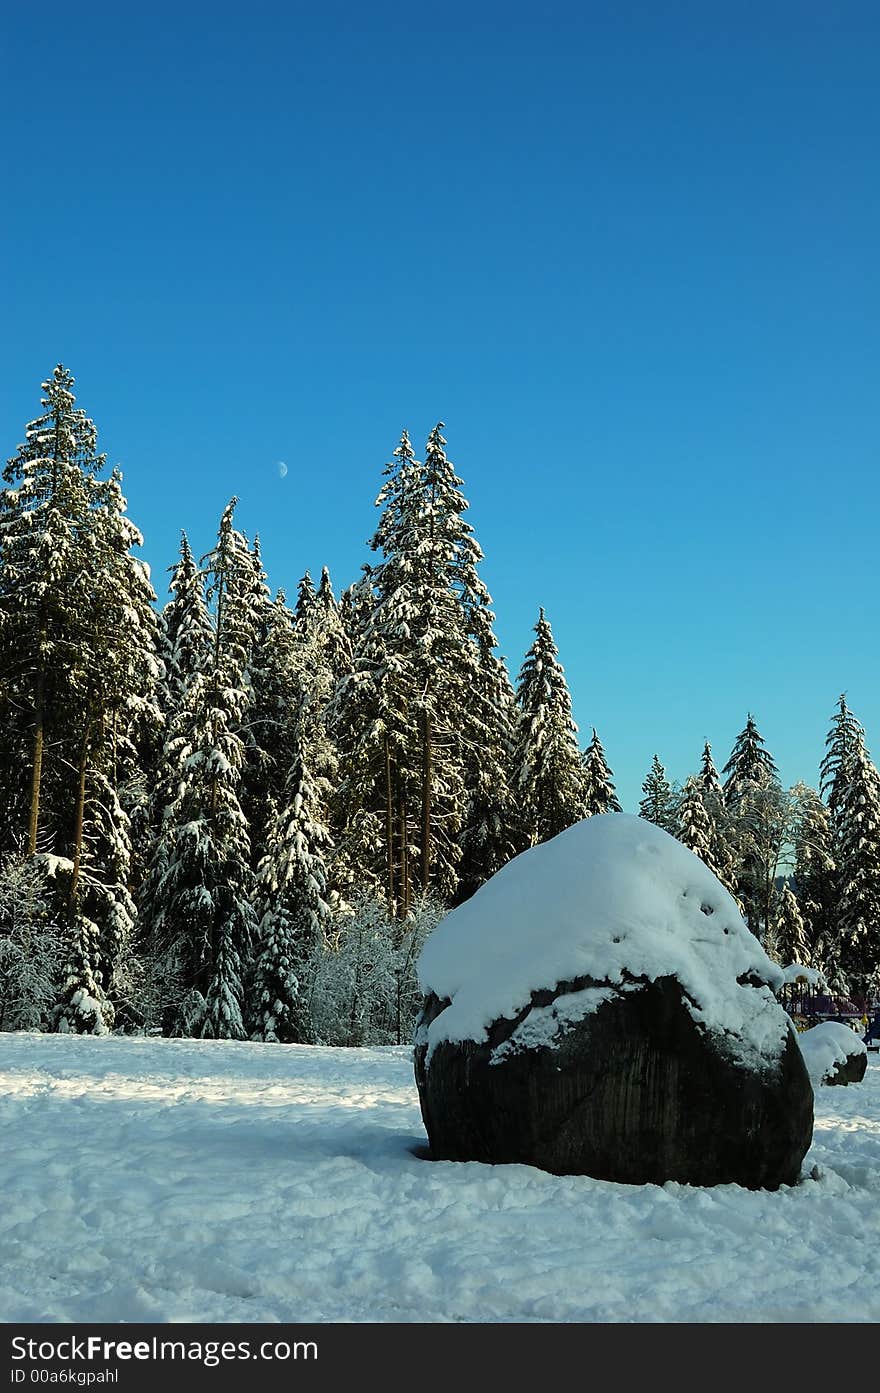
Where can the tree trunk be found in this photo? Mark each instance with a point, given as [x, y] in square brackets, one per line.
[426, 800]
[80, 817]
[404, 856]
[389, 826]
[39, 734]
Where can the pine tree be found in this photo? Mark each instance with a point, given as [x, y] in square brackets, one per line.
[708, 781]
[76, 612]
[491, 833]
[186, 635]
[200, 877]
[859, 870]
[271, 678]
[842, 743]
[33, 947]
[330, 635]
[814, 866]
[305, 603]
[599, 795]
[120, 715]
[658, 804]
[400, 714]
[694, 823]
[750, 763]
[294, 893]
[787, 937]
[370, 710]
[548, 774]
[697, 830]
[45, 595]
[723, 838]
[759, 815]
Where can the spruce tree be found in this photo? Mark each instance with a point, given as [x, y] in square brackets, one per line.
[723, 839]
[491, 833]
[759, 816]
[296, 908]
[694, 823]
[186, 635]
[305, 603]
[330, 635]
[201, 878]
[371, 711]
[749, 763]
[658, 803]
[787, 937]
[548, 774]
[45, 596]
[859, 871]
[599, 794]
[76, 606]
[400, 714]
[814, 867]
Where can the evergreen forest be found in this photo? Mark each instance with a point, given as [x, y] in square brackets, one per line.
[228, 812]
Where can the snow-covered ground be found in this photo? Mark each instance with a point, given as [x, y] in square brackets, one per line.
[166, 1180]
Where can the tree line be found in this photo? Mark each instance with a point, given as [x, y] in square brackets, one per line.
[232, 816]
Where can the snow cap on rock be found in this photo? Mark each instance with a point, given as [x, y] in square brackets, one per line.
[827, 1045]
[613, 898]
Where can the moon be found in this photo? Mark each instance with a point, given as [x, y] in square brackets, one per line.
[282, 469]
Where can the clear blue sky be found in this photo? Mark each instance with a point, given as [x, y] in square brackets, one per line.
[627, 252]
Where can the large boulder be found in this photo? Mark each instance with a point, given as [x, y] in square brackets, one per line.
[599, 1007]
[834, 1054]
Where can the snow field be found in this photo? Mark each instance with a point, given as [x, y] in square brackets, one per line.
[180, 1180]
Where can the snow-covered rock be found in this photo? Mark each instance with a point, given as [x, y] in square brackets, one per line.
[834, 1054]
[600, 1007]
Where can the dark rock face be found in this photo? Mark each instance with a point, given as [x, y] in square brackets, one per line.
[850, 1070]
[635, 1092]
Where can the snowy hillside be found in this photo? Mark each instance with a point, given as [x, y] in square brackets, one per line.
[165, 1180]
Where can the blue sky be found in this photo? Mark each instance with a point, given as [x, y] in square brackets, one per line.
[627, 252]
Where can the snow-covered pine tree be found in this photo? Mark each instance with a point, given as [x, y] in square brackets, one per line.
[45, 594]
[723, 849]
[694, 824]
[355, 607]
[200, 881]
[270, 680]
[77, 606]
[787, 938]
[188, 651]
[359, 827]
[845, 737]
[548, 773]
[492, 831]
[443, 662]
[749, 763]
[708, 781]
[33, 947]
[759, 815]
[120, 717]
[814, 866]
[295, 901]
[305, 603]
[186, 633]
[275, 673]
[599, 794]
[398, 714]
[369, 711]
[330, 633]
[658, 803]
[859, 870]
[471, 814]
